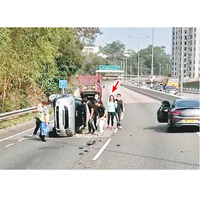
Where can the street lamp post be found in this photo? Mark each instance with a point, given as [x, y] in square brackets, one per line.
[182, 64]
[126, 70]
[138, 63]
[131, 67]
[138, 38]
[123, 70]
[152, 54]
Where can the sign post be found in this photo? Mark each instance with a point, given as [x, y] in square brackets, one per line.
[63, 85]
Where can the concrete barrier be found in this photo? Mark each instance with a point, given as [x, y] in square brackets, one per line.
[154, 94]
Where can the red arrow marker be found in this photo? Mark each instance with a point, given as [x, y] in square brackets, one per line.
[115, 86]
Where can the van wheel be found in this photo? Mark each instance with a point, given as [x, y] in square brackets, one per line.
[70, 134]
[170, 129]
[53, 133]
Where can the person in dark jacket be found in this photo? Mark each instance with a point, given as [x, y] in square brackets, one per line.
[101, 116]
[91, 108]
[119, 110]
[38, 116]
[94, 101]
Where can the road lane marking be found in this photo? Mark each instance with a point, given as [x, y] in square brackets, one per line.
[102, 149]
[21, 139]
[198, 133]
[17, 134]
[9, 145]
[115, 130]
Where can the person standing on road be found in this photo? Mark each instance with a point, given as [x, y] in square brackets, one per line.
[44, 126]
[101, 116]
[111, 106]
[96, 99]
[119, 110]
[38, 121]
[90, 105]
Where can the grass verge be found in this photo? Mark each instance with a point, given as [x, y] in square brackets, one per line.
[18, 120]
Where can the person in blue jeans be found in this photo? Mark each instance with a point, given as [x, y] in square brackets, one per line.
[44, 124]
[111, 106]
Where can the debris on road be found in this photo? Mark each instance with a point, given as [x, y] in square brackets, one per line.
[131, 135]
[85, 150]
[118, 145]
[89, 143]
[100, 140]
[81, 154]
[81, 147]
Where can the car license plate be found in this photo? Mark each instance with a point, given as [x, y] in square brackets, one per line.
[191, 120]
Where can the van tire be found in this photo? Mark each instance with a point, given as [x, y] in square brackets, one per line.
[53, 133]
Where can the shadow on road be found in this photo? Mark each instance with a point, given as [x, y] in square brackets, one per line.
[163, 129]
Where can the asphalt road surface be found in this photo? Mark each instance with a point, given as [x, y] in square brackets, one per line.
[143, 143]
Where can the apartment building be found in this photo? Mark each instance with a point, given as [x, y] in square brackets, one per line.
[186, 52]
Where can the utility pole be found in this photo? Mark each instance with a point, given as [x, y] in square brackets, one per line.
[126, 69]
[138, 38]
[182, 64]
[152, 53]
[131, 66]
[138, 62]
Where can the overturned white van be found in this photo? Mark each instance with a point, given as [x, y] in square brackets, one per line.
[69, 115]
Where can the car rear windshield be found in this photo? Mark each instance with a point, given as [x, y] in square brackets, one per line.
[188, 104]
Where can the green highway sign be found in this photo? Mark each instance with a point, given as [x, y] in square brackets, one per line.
[109, 67]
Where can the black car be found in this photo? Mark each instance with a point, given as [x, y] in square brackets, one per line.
[183, 112]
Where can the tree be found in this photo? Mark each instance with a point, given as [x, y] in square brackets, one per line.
[114, 50]
[32, 61]
[161, 61]
[92, 62]
[87, 35]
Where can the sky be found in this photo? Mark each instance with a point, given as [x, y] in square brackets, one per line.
[162, 36]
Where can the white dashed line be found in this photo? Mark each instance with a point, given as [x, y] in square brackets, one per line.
[102, 149]
[20, 133]
[9, 145]
[21, 139]
[115, 130]
[17, 134]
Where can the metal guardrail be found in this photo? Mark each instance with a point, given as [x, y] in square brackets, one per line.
[16, 113]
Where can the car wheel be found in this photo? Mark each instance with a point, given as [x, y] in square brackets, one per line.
[53, 133]
[170, 129]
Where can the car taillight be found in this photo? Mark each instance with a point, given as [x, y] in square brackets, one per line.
[176, 112]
